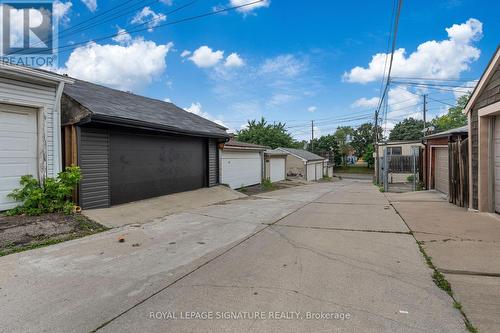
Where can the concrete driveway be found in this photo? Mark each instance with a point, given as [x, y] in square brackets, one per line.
[317, 258]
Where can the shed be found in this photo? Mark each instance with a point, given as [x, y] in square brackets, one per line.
[303, 163]
[483, 110]
[131, 147]
[437, 158]
[241, 164]
[29, 126]
[275, 165]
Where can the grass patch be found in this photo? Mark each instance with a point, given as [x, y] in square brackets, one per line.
[353, 169]
[440, 280]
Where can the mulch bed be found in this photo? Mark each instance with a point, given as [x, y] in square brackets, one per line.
[19, 233]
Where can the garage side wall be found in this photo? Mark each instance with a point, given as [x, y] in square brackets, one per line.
[213, 163]
[94, 163]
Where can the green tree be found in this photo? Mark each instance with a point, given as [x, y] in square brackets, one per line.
[326, 146]
[262, 133]
[454, 118]
[362, 137]
[408, 129]
[344, 135]
[368, 156]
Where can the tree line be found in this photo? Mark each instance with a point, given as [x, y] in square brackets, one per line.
[347, 140]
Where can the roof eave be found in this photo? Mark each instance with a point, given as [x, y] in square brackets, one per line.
[150, 126]
[30, 74]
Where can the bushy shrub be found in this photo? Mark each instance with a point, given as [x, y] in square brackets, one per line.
[51, 196]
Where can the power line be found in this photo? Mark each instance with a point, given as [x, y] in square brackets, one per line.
[187, 19]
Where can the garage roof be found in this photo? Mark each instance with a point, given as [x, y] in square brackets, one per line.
[458, 130]
[115, 106]
[303, 154]
[243, 145]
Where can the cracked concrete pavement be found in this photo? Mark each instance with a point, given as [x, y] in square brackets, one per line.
[331, 248]
[464, 246]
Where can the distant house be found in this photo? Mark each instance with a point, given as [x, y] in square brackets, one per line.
[437, 162]
[483, 110]
[275, 165]
[131, 147]
[302, 163]
[397, 148]
[241, 164]
[30, 136]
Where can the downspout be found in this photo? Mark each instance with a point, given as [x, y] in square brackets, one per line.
[56, 135]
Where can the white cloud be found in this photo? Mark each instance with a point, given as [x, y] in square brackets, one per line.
[91, 4]
[125, 67]
[285, 65]
[61, 10]
[205, 57]
[148, 17]
[445, 59]
[248, 9]
[167, 2]
[185, 53]
[280, 99]
[234, 60]
[168, 100]
[312, 109]
[122, 36]
[197, 110]
[366, 102]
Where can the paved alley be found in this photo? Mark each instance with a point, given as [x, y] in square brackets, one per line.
[328, 257]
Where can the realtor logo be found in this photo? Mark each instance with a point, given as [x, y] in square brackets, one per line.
[28, 31]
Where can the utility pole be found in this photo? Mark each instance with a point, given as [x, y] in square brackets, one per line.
[375, 147]
[312, 135]
[425, 114]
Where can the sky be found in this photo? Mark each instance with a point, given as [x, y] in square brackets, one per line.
[287, 61]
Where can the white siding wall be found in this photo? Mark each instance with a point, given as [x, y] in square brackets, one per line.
[42, 97]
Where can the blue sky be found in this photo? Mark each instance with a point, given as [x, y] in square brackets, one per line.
[289, 61]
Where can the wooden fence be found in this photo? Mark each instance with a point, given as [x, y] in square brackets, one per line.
[402, 163]
[459, 175]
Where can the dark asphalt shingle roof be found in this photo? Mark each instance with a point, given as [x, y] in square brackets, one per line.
[307, 155]
[239, 144]
[458, 130]
[112, 103]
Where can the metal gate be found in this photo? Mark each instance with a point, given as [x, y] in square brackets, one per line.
[401, 173]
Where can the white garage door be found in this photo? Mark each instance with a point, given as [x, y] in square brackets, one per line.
[311, 172]
[497, 163]
[240, 169]
[18, 149]
[277, 166]
[319, 171]
[441, 175]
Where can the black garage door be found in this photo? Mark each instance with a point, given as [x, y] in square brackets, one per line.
[144, 166]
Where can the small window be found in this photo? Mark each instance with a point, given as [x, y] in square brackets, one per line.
[394, 151]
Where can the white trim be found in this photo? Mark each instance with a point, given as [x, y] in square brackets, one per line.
[34, 73]
[56, 135]
[489, 110]
[482, 82]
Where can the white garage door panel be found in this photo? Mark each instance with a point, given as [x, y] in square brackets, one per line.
[241, 169]
[319, 171]
[496, 137]
[277, 169]
[18, 149]
[441, 175]
[311, 172]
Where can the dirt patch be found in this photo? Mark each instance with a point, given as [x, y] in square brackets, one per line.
[19, 233]
[258, 189]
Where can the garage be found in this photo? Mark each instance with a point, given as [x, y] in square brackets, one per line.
[441, 178]
[303, 163]
[131, 147]
[496, 148]
[319, 171]
[29, 127]
[241, 164]
[145, 166]
[275, 165]
[18, 149]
